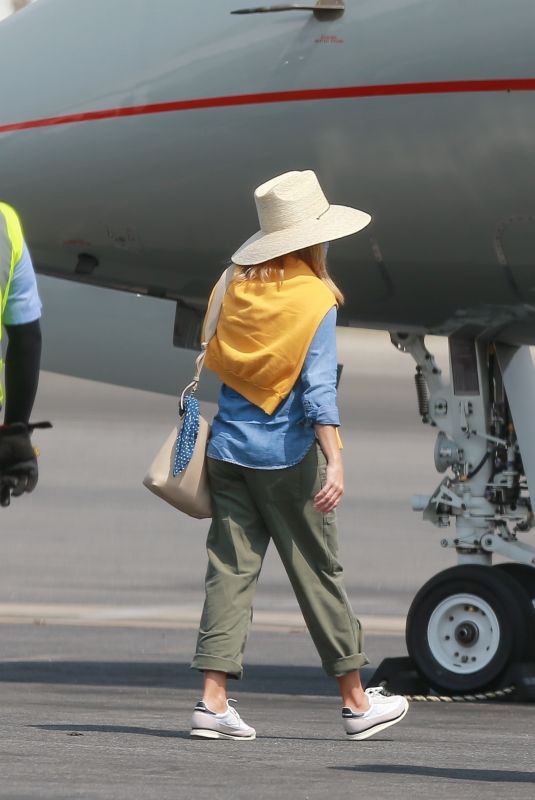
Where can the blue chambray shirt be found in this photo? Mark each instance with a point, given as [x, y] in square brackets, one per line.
[244, 434]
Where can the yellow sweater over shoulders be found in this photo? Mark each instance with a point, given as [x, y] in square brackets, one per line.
[264, 332]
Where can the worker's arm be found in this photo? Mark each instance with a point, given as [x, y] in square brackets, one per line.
[21, 321]
[18, 463]
[23, 359]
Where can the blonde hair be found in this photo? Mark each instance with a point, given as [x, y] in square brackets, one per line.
[314, 256]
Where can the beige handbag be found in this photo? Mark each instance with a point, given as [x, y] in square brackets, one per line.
[189, 491]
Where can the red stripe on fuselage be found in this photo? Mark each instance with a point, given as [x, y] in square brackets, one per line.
[294, 96]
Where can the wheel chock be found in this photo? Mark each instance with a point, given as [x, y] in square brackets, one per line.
[522, 677]
[400, 676]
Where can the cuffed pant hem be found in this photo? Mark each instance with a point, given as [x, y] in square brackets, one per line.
[203, 663]
[344, 665]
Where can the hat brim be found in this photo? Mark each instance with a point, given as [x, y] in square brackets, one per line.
[337, 222]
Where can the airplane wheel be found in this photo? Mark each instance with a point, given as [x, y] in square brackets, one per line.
[466, 625]
[523, 574]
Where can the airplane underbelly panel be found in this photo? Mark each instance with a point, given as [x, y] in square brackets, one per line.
[437, 193]
[135, 170]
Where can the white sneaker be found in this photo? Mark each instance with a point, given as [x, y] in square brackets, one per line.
[383, 712]
[206, 724]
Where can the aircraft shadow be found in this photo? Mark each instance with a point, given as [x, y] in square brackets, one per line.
[486, 775]
[273, 679]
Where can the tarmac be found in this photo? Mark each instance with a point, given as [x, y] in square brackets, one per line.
[104, 713]
[101, 587]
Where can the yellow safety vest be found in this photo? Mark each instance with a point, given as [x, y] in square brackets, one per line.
[11, 246]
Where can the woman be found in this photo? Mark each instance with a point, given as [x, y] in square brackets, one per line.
[274, 459]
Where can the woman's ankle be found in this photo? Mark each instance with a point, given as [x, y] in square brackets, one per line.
[216, 703]
[356, 701]
[351, 691]
[215, 691]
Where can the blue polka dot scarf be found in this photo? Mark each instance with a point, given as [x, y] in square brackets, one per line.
[187, 434]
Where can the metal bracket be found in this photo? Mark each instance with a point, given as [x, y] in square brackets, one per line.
[414, 344]
[444, 496]
[513, 549]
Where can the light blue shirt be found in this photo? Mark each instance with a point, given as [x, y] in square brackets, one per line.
[244, 434]
[23, 302]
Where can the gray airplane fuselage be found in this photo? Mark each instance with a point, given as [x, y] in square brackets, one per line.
[170, 113]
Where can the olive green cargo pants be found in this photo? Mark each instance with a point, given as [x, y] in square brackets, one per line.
[252, 506]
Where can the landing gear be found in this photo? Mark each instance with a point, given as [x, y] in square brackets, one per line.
[470, 624]
[466, 625]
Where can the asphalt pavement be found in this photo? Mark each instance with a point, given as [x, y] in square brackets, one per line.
[104, 713]
[100, 592]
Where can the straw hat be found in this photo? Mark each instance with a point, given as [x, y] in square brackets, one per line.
[293, 213]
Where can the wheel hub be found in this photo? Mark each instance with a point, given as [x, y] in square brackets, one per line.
[463, 633]
[467, 634]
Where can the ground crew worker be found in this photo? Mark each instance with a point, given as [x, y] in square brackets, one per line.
[20, 311]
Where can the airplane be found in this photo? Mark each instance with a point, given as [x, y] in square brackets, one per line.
[131, 136]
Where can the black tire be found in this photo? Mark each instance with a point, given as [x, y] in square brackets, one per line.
[523, 574]
[438, 649]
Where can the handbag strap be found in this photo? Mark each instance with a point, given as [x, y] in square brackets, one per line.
[214, 306]
[209, 327]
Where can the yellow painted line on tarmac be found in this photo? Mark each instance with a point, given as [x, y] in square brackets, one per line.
[180, 617]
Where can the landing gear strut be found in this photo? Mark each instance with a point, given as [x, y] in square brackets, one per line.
[469, 624]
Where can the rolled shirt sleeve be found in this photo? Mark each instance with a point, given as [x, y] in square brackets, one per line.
[319, 373]
[23, 302]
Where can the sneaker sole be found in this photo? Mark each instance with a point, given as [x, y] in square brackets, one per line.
[206, 733]
[378, 728]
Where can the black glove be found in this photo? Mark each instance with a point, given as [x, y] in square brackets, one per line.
[18, 462]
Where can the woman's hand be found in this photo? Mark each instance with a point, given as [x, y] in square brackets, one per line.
[328, 498]
[330, 495]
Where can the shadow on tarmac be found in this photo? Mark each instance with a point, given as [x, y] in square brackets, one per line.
[271, 679]
[488, 775]
[79, 730]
